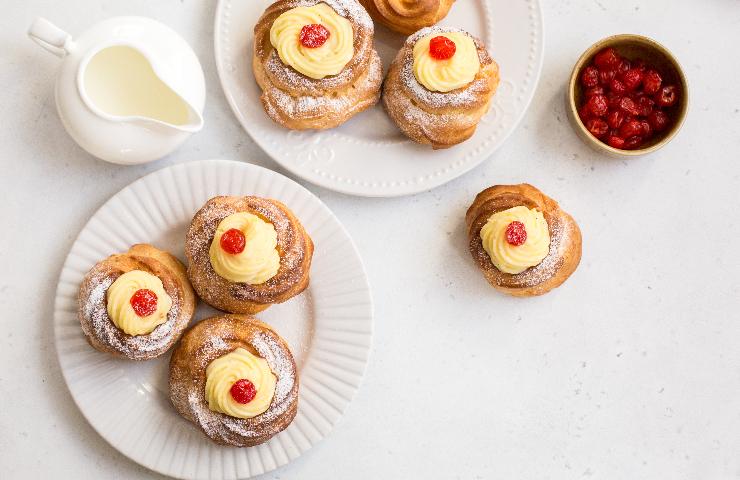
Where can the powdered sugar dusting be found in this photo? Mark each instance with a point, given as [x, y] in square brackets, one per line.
[350, 9]
[280, 102]
[224, 428]
[289, 96]
[98, 327]
[560, 227]
[546, 269]
[467, 96]
[271, 351]
[428, 122]
[285, 76]
[290, 243]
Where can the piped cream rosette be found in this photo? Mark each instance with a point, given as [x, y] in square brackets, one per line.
[226, 370]
[258, 262]
[317, 63]
[446, 75]
[122, 313]
[510, 258]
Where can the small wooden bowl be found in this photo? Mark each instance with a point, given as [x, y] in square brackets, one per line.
[654, 54]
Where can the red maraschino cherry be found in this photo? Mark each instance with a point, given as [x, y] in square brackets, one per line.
[516, 234]
[243, 391]
[144, 302]
[233, 241]
[442, 48]
[314, 35]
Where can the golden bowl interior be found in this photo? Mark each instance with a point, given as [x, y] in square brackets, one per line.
[655, 55]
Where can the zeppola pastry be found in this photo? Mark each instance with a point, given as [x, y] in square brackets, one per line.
[136, 304]
[235, 378]
[440, 85]
[522, 240]
[315, 63]
[407, 16]
[247, 253]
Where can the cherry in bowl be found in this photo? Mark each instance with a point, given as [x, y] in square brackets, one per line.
[627, 95]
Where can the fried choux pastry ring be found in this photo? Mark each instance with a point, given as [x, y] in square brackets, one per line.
[440, 85]
[234, 378]
[407, 16]
[522, 240]
[136, 304]
[247, 253]
[315, 62]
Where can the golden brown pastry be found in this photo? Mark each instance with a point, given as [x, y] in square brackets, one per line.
[440, 85]
[234, 378]
[407, 16]
[522, 240]
[136, 304]
[247, 253]
[315, 63]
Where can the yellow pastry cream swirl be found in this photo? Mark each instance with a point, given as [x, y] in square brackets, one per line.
[122, 313]
[317, 63]
[224, 371]
[258, 262]
[446, 75]
[510, 258]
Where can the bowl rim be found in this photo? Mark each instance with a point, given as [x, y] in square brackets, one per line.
[588, 53]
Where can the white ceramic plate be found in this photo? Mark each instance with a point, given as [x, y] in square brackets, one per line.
[329, 326]
[368, 155]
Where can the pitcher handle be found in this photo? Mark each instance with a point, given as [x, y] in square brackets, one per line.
[50, 37]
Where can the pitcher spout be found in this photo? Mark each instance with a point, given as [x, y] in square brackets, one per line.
[121, 83]
[193, 124]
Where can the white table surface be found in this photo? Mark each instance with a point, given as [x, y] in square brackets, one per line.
[630, 370]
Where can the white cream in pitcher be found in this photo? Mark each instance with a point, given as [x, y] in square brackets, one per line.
[120, 81]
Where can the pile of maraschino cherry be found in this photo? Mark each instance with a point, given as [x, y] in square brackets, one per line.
[624, 103]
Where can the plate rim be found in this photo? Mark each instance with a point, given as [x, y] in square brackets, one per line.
[59, 298]
[414, 188]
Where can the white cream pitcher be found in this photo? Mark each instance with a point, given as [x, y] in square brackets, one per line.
[130, 89]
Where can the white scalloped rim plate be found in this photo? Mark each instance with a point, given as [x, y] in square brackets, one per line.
[329, 326]
[368, 155]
